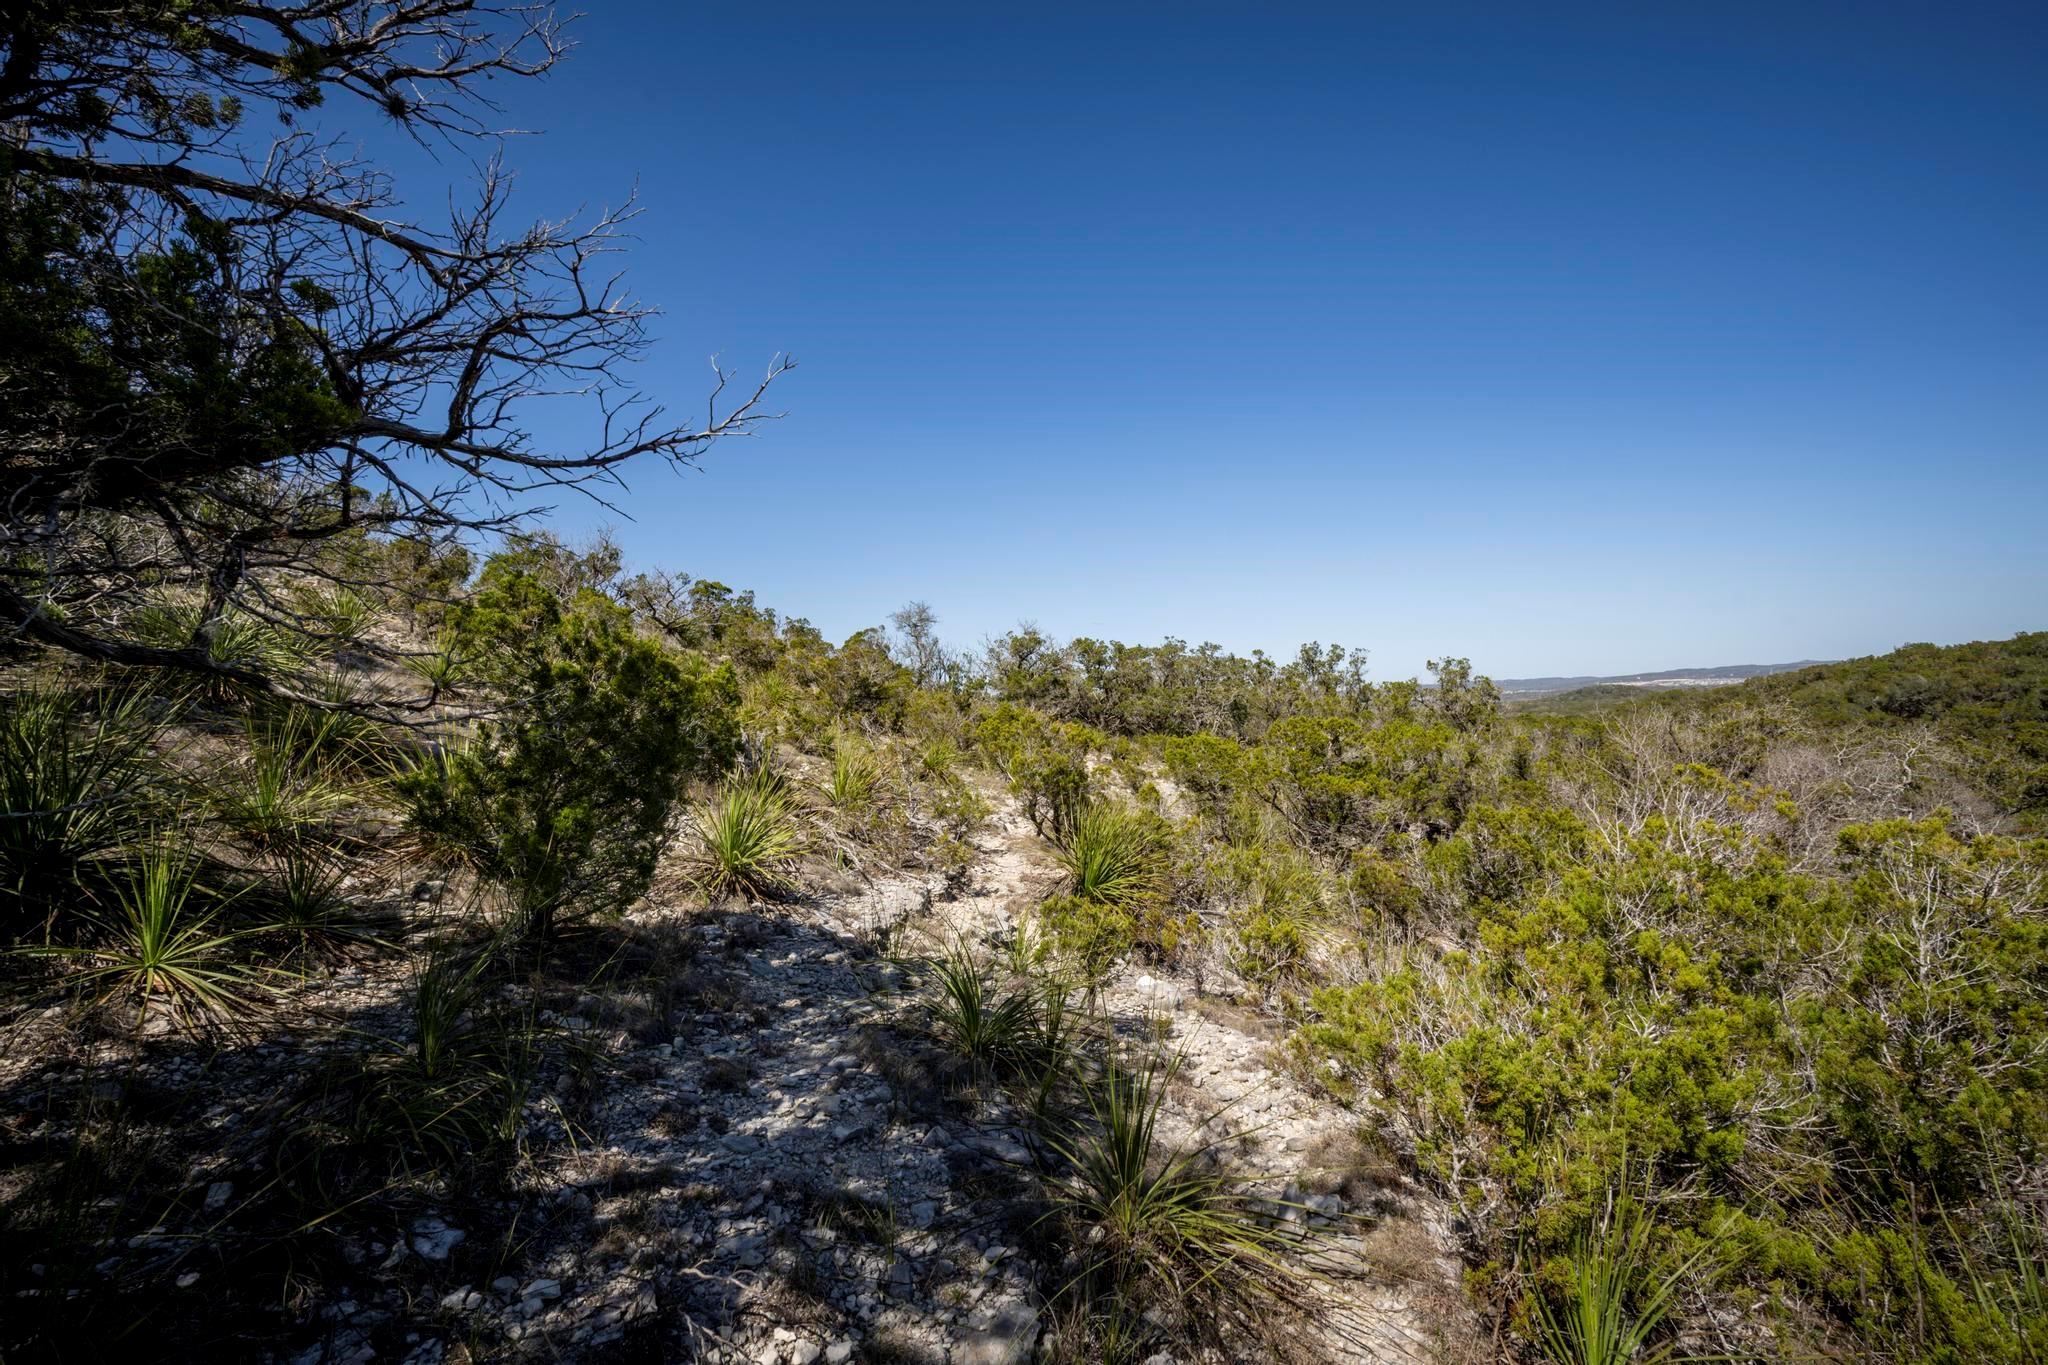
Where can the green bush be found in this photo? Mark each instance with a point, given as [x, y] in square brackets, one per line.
[564, 801]
[1274, 902]
[1089, 937]
[1045, 761]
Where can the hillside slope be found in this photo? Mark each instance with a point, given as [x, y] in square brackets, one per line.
[1988, 699]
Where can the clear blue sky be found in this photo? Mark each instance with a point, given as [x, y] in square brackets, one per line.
[1569, 338]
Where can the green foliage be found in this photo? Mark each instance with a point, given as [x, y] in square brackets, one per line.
[444, 667]
[748, 838]
[233, 639]
[162, 950]
[1113, 856]
[565, 801]
[341, 614]
[1046, 762]
[1274, 901]
[1164, 1232]
[1854, 1054]
[75, 784]
[1089, 937]
[1989, 699]
[157, 342]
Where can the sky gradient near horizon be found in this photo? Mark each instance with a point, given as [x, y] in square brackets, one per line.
[1573, 339]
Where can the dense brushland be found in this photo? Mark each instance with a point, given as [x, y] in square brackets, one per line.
[373, 864]
[1734, 996]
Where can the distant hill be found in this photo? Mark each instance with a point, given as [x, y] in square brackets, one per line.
[1518, 688]
[1989, 699]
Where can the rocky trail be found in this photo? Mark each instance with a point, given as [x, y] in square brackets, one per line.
[788, 1181]
[747, 1149]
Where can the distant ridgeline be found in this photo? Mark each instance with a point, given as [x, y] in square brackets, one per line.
[1627, 684]
[1988, 699]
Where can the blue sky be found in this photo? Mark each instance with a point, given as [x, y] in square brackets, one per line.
[1568, 338]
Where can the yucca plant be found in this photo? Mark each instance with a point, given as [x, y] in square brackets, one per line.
[442, 668]
[74, 784]
[994, 1029]
[856, 779]
[279, 789]
[2005, 1269]
[234, 639]
[462, 1081]
[337, 610]
[445, 1091]
[333, 729]
[1615, 1301]
[308, 911]
[161, 948]
[1166, 1229]
[1112, 856]
[747, 837]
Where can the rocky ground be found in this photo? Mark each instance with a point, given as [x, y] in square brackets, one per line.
[766, 1164]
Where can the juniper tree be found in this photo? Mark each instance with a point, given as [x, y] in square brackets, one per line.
[230, 359]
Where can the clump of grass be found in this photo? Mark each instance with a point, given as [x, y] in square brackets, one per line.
[161, 949]
[747, 837]
[72, 786]
[1112, 856]
[334, 729]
